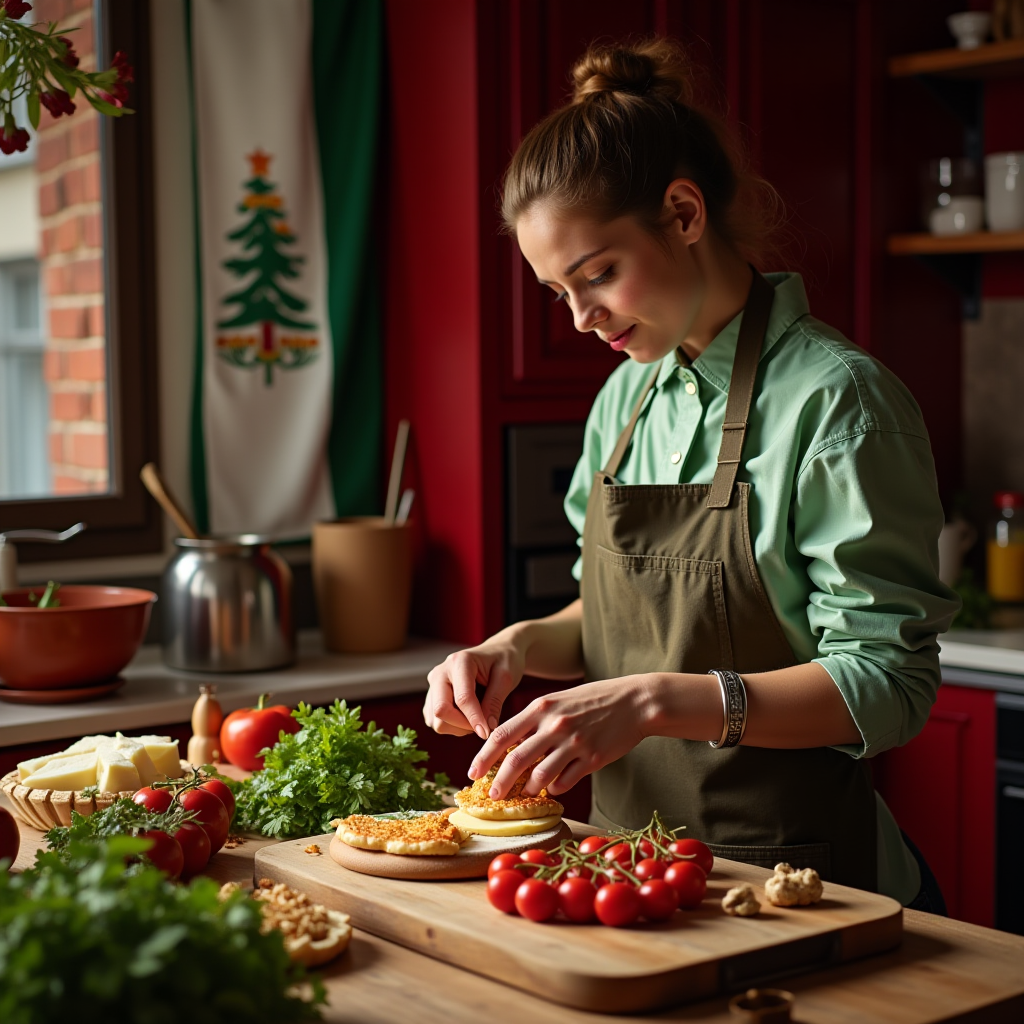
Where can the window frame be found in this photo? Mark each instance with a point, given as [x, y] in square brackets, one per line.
[124, 521]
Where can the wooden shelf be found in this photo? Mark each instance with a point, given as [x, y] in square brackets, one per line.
[994, 60]
[925, 244]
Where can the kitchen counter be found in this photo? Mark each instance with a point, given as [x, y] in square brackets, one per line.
[990, 659]
[944, 970]
[155, 695]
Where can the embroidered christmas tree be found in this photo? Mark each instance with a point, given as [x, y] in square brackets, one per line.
[264, 300]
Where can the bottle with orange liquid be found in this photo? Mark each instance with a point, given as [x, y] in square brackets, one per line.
[1006, 548]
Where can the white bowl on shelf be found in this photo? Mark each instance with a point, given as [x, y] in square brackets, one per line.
[969, 28]
[961, 216]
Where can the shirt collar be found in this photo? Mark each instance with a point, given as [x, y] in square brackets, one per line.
[715, 362]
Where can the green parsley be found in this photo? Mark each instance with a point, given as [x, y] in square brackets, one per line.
[330, 768]
[83, 939]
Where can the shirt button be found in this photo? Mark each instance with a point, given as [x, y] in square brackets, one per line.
[675, 458]
[691, 388]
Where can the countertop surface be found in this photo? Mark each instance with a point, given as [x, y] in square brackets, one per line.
[944, 970]
[155, 695]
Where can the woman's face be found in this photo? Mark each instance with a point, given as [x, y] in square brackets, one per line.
[639, 296]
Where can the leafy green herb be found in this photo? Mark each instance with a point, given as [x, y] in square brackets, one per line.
[123, 817]
[83, 939]
[330, 768]
[48, 600]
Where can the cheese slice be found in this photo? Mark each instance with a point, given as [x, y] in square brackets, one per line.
[76, 772]
[498, 827]
[33, 764]
[163, 752]
[135, 752]
[116, 773]
[87, 744]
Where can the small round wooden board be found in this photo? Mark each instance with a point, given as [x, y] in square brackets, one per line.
[470, 862]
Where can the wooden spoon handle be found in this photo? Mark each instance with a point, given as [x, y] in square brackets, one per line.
[155, 485]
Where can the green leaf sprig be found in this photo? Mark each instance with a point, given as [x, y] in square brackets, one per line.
[83, 939]
[330, 768]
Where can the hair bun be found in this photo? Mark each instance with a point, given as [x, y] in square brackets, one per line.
[655, 67]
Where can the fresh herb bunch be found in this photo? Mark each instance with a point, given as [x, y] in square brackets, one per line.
[330, 768]
[123, 817]
[82, 939]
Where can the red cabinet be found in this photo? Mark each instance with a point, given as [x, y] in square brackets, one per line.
[941, 789]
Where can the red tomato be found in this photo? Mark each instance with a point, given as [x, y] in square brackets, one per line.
[658, 900]
[537, 900]
[501, 890]
[10, 836]
[538, 857]
[576, 899]
[210, 813]
[504, 862]
[702, 856]
[647, 849]
[247, 731]
[689, 882]
[593, 843]
[222, 791]
[156, 800]
[165, 853]
[649, 868]
[617, 904]
[195, 848]
[620, 853]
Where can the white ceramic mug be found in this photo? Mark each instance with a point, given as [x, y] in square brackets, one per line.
[960, 216]
[1004, 191]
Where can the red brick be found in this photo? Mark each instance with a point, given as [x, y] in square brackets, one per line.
[53, 150]
[84, 43]
[54, 365]
[67, 236]
[92, 181]
[70, 406]
[47, 242]
[56, 448]
[68, 323]
[85, 133]
[97, 322]
[51, 10]
[87, 364]
[69, 485]
[58, 280]
[51, 200]
[74, 186]
[92, 230]
[87, 277]
[99, 405]
[89, 450]
[81, 5]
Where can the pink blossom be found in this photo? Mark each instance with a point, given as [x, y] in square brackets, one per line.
[57, 102]
[13, 139]
[15, 9]
[70, 57]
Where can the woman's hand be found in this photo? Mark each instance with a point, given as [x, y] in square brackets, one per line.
[452, 707]
[572, 732]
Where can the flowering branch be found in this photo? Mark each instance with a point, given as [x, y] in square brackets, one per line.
[41, 65]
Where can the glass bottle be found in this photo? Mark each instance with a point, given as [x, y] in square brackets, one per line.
[1006, 548]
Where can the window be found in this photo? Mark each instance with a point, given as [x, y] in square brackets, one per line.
[78, 411]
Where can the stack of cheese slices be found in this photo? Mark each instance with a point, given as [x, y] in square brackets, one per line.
[516, 815]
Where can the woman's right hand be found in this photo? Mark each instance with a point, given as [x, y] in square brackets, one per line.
[452, 706]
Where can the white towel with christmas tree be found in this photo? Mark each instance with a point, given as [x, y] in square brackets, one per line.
[277, 324]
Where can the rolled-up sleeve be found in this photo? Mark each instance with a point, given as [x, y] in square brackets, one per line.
[866, 518]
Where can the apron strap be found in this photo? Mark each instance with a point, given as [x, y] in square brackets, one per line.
[627, 434]
[741, 390]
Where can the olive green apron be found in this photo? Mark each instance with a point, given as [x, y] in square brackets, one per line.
[670, 584]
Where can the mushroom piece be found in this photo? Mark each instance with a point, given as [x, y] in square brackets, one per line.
[789, 887]
[741, 902]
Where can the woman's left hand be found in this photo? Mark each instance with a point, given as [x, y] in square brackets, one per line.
[571, 732]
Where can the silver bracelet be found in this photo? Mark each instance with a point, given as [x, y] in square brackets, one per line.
[734, 707]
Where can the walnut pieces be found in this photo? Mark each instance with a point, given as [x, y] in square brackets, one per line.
[790, 888]
[741, 902]
[312, 933]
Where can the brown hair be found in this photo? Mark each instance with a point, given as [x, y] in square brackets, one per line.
[632, 127]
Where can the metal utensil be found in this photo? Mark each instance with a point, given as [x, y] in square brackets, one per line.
[397, 467]
[404, 506]
[9, 553]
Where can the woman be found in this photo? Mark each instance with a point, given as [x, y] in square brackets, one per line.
[757, 507]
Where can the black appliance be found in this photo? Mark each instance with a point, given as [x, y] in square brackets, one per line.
[1010, 813]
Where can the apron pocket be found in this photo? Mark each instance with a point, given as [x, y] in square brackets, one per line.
[806, 855]
[662, 610]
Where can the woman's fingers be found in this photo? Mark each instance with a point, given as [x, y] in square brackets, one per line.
[549, 769]
[517, 762]
[572, 773]
[463, 673]
[512, 731]
[439, 710]
[500, 685]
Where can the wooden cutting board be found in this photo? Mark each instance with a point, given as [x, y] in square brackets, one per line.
[615, 970]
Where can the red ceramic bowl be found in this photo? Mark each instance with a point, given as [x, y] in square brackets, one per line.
[90, 637]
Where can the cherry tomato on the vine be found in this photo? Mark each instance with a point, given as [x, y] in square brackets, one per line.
[650, 868]
[576, 899]
[156, 800]
[617, 904]
[658, 900]
[593, 843]
[210, 813]
[165, 853]
[537, 900]
[195, 848]
[501, 890]
[620, 853]
[536, 857]
[689, 882]
[702, 855]
[647, 849]
[504, 862]
[221, 790]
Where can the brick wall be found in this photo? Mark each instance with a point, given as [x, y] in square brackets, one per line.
[71, 256]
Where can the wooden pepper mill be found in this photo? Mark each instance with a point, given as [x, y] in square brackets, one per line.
[204, 746]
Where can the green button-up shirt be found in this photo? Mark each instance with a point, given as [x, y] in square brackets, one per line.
[844, 511]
